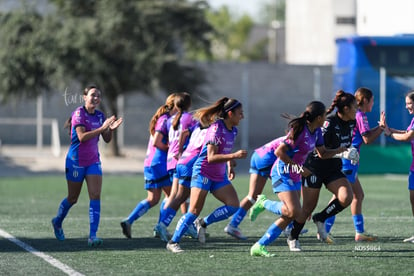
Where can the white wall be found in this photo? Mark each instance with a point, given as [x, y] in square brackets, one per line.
[311, 28]
[385, 17]
[313, 25]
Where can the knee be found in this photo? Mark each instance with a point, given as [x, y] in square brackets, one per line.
[359, 197]
[72, 200]
[345, 199]
[294, 213]
[153, 200]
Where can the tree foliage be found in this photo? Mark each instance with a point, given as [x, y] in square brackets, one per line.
[26, 59]
[229, 40]
[272, 11]
[123, 46]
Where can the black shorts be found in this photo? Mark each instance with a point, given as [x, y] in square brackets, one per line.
[315, 181]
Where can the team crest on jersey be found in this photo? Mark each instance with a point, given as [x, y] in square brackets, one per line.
[326, 124]
[77, 113]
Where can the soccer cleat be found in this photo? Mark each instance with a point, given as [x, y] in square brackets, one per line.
[410, 239]
[294, 245]
[329, 239]
[155, 233]
[235, 232]
[322, 235]
[365, 237]
[191, 232]
[257, 208]
[201, 231]
[94, 241]
[58, 231]
[260, 251]
[126, 228]
[174, 247]
[162, 232]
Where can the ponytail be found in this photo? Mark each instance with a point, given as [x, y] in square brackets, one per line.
[341, 100]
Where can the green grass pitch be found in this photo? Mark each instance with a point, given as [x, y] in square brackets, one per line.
[27, 205]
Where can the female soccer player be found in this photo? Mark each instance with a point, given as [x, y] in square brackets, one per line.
[178, 132]
[86, 125]
[182, 180]
[362, 134]
[260, 164]
[337, 132]
[304, 136]
[209, 171]
[157, 179]
[407, 136]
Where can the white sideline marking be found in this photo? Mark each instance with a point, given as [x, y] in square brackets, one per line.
[68, 270]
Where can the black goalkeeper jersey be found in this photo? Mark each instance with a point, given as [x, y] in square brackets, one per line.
[336, 133]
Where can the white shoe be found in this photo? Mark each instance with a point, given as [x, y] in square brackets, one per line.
[410, 239]
[201, 231]
[294, 245]
[234, 232]
[174, 247]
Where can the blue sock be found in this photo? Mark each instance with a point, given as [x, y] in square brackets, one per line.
[94, 216]
[358, 223]
[273, 206]
[221, 213]
[167, 216]
[162, 208]
[182, 226]
[238, 217]
[272, 233]
[329, 222]
[139, 211]
[62, 211]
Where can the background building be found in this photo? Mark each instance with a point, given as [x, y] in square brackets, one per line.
[313, 26]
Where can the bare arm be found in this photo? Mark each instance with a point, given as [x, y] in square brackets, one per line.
[158, 141]
[107, 134]
[403, 136]
[281, 153]
[325, 153]
[214, 157]
[372, 134]
[181, 140]
[84, 135]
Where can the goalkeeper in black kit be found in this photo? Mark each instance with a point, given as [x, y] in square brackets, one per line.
[337, 132]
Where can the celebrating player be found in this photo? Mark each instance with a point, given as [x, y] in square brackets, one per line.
[86, 125]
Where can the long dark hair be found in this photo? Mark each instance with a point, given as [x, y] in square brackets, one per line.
[341, 100]
[410, 95]
[312, 111]
[219, 109]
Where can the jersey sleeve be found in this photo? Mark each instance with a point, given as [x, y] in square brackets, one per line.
[161, 125]
[78, 118]
[328, 133]
[319, 138]
[212, 136]
[362, 123]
